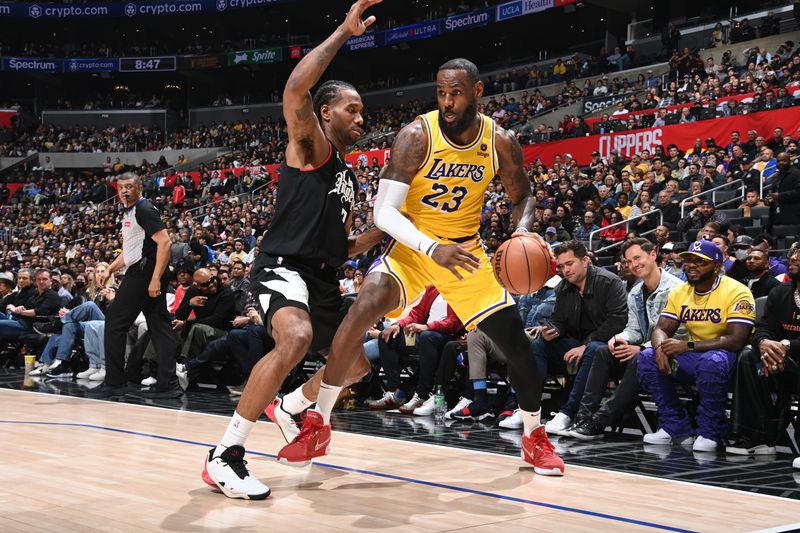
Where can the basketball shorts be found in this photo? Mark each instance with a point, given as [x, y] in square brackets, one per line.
[473, 299]
[277, 282]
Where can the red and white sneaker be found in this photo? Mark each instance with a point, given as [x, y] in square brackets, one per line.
[282, 419]
[228, 473]
[540, 452]
[313, 441]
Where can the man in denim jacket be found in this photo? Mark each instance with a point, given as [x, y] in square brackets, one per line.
[645, 302]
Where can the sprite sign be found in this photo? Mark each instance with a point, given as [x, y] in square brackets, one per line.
[250, 57]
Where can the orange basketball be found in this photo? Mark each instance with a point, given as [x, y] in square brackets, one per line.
[523, 264]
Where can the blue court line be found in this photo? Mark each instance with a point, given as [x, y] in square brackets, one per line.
[379, 474]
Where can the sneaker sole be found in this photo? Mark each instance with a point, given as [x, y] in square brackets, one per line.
[504, 425]
[552, 472]
[209, 481]
[301, 464]
[744, 452]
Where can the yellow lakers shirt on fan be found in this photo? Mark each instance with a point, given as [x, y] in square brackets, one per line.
[444, 200]
[707, 315]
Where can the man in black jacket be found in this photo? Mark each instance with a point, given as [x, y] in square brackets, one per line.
[759, 280]
[785, 201]
[591, 306]
[770, 365]
[214, 307]
[45, 302]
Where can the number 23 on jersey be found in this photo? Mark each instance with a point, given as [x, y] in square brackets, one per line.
[445, 198]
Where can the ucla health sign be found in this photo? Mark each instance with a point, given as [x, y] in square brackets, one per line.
[91, 64]
[423, 30]
[32, 64]
[474, 19]
[519, 8]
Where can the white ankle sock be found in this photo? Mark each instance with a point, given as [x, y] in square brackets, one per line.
[295, 402]
[326, 399]
[238, 430]
[531, 420]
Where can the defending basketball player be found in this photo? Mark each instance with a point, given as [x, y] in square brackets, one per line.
[294, 275]
[440, 168]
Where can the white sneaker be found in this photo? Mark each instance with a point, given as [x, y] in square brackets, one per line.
[100, 375]
[512, 422]
[228, 473]
[148, 382]
[796, 463]
[87, 373]
[408, 407]
[559, 424]
[40, 371]
[702, 444]
[427, 408]
[282, 419]
[462, 403]
[662, 437]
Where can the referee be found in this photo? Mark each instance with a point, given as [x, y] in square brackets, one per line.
[145, 255]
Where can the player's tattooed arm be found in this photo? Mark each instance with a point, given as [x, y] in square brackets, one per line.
[515, 180]
[408, 153]
[307, 144]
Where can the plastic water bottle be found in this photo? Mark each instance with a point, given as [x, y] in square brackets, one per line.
[439, 404]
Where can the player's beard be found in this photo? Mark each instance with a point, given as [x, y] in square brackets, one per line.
[704, 277]
[462, 124]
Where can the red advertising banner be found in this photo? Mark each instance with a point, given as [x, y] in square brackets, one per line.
[5, 117]
[627, 143]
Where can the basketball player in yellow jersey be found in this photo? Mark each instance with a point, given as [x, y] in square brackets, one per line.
[440, 167]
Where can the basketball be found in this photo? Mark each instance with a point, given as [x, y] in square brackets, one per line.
[523, 264]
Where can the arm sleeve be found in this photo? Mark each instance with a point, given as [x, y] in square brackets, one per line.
[792, 195]
[559, 317]
[147, 216]
[391, 195]
[684, 223]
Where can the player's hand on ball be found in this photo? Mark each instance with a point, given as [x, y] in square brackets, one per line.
[353, 22]
[451, 256]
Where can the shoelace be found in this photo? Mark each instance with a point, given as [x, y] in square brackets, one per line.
[545, 446]
[305, 432]
[239, 468]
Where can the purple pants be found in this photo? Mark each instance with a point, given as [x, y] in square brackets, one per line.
[711, 371]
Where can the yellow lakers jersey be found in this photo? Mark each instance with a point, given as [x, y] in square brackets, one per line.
[707, 315]
[446, 195]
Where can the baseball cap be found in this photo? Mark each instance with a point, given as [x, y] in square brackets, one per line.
[705, 249]
[743, 241]
[707, 202]
[8, 278]
[568, 155]
[595, 153]
[351, 264]
[667, 247]
[746, 159]
[552, 230]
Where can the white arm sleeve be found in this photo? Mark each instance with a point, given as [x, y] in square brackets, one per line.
[391, 195]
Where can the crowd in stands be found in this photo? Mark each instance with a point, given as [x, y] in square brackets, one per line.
[52, 246]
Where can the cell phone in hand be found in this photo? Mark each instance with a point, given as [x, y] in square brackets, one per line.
[547, 324]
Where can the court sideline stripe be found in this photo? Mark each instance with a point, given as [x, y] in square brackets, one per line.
[375, 474]
[418, 443]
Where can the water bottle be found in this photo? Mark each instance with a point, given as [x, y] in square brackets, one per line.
[439, 404]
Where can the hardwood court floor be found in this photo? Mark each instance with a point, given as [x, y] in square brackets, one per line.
[71, 464]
